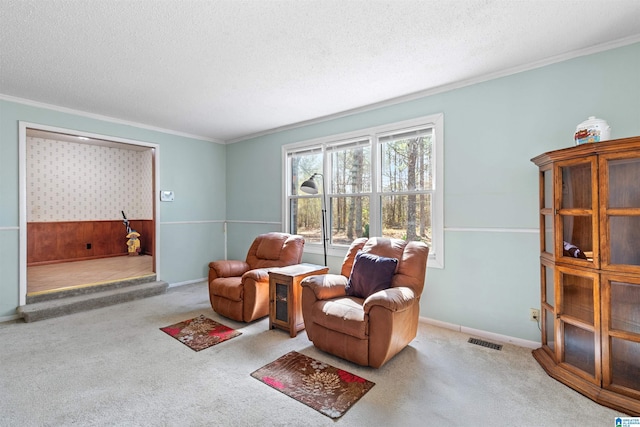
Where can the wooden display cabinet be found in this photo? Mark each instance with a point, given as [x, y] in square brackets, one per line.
[590, 270]
[285, 296]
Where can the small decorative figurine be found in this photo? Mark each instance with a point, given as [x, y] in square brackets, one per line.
[133, 243]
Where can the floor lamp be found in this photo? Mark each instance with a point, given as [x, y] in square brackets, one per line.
[310, 187]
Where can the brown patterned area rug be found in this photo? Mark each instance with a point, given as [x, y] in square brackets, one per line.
[200, 332]
[328, 390]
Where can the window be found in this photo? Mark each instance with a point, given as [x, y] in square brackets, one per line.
[382, 181]
[350, 190]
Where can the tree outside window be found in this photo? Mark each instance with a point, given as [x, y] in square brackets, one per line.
[350, 166]
[406, 184]
[380, 183]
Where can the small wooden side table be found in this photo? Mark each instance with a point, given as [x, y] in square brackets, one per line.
[285, 296]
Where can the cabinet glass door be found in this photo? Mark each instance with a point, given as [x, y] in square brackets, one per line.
[547, 241]
[579, 317]
[577, 206]
[621, 329]
[547, 269]
[281, 302]
[621, 211]
[548, 306]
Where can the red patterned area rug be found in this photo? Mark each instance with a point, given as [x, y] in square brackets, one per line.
[200, 332]
[328, 390]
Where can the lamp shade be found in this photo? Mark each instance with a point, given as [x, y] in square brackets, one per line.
[309, 186]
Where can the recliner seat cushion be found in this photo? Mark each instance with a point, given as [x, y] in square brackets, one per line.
[344, 315]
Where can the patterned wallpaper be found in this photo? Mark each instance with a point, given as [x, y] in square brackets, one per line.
[69, 181]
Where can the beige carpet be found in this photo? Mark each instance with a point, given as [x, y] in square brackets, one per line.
[113, 366]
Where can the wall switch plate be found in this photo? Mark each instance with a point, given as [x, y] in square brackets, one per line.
[166, 196]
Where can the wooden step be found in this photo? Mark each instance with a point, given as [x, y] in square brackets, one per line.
[114, 293]
[72, 291]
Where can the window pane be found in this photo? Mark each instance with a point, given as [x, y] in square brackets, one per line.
[407, 217]
[303, 165]
[378, 181]
[576, 186]
[351, 170]
[625, 248]
[406, 164]
[548, 234]
[306, 218]
[625, 364]
[579, 348]
[350, 219]
[549, 330]
[622, 172]
[548, 189]
[577, 297]
[549, 293]
[578, 231]
[625, 307]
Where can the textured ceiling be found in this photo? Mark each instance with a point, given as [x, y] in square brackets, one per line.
[228, 69]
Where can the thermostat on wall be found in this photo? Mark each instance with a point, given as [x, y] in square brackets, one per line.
[166, 196]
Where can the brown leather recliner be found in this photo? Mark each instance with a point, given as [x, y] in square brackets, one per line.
[368, 331]
[239, 290]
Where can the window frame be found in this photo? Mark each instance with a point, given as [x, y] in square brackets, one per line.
[435, 121]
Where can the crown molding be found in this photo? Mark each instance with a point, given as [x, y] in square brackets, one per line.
[452, 86]
[60, 109]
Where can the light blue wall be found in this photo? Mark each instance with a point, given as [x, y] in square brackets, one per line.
[492, 130]
[191, 227]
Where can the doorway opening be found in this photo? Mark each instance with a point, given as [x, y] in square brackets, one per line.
[81, 197]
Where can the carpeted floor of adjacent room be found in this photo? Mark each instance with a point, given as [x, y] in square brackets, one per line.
[113, 366]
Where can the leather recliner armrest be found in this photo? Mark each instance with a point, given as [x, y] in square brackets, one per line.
[326, 286]
[229, 268]
[257, 274]
[394, 299]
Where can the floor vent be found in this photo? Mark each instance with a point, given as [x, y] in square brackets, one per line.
[487, 344]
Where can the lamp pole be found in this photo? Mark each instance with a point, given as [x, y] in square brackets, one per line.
[324, 223]
[310, 187]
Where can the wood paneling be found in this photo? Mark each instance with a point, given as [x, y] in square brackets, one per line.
[50, 242]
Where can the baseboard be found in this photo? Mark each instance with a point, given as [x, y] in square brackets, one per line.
[483, 334]
[6, 319]
[188, 282]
